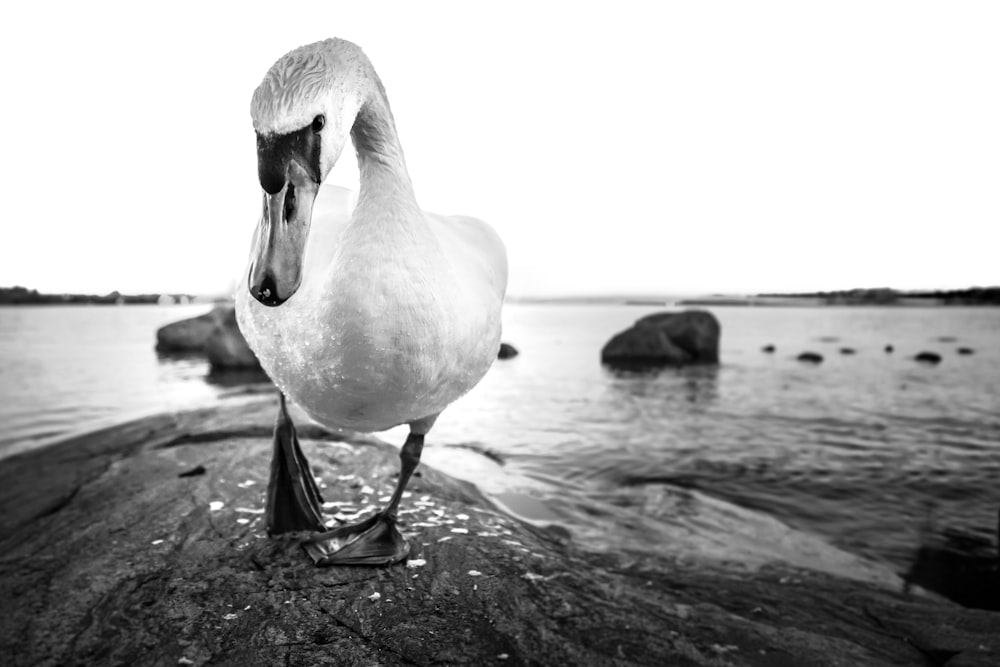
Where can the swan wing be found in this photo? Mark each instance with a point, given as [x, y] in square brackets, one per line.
[475, 251]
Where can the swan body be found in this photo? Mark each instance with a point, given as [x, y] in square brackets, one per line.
[367, 316]
[397, 312]
[393, 320]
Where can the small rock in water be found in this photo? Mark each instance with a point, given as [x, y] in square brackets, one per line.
[889, 349]
[928, 358]
[216, 505]
[768, 348]
[810, 357]
[847, 350]
[965, 350]
[507, 351]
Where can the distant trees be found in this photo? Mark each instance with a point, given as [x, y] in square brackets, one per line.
[972, 296]
[17, 296]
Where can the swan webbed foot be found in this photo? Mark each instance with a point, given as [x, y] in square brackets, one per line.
[293, 499]
[375, 541]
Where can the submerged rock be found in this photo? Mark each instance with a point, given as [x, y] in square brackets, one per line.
[507, 351]
[768, 349]
[810, 357]
[847, 350]
[666, 339]
[889, 349]
[928, 358]
[965, 350]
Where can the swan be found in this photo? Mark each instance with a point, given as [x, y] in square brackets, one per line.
[367, 318]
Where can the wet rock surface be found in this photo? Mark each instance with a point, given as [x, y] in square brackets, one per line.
[109, 557]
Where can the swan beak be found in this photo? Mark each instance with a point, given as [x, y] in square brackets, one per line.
[279, 244]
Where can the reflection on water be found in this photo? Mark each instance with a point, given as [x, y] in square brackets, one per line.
[695, 385]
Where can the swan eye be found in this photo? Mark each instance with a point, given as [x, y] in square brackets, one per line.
[318, 123]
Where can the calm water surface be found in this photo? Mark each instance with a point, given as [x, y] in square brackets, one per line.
[859, 448]
[66, 369]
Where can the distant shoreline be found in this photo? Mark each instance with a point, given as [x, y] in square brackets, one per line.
[973, 296]
[21, 296]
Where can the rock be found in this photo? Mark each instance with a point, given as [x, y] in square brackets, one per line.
[965, 350]
[810, 357]
[928, 358]
[507, 351]
[768, 349]
[214, 334]
[189, 335]
[666, 339]
[847, 350]
[109, 558]
[889, 349]
[226, 348]
[961, 566]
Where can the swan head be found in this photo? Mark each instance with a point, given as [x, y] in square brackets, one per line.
[303, 112]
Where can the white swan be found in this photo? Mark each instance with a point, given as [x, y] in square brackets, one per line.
[366, 319]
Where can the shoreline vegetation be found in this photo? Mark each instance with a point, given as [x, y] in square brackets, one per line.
[167, 510]
[879, 296]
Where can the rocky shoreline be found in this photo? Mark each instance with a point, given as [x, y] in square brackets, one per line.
[110, 556]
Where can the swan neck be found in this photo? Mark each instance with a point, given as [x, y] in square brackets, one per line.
[380, 156]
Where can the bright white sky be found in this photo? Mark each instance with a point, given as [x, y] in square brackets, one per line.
[617, 147]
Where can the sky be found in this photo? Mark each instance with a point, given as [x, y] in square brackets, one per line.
[617, 147]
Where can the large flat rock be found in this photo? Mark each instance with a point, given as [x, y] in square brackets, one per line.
[110, 558]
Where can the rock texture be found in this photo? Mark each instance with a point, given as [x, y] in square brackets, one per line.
[666, 339]
[108, 557]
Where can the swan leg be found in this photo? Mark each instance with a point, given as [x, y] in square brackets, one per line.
[375, 541]
[293, 499]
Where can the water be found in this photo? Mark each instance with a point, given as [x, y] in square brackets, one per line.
[69, 369]
[859, 449]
